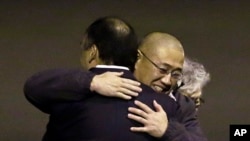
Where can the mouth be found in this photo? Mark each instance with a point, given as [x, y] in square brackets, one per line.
[161, 89]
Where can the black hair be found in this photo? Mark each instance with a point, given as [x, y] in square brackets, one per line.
[115, 39]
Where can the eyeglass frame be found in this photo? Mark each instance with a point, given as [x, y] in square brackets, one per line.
[162, 70]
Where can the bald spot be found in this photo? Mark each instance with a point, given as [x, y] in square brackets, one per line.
[155, 40]
[120, 27]
[164, 49]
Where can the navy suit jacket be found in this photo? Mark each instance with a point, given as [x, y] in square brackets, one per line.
[99, 118]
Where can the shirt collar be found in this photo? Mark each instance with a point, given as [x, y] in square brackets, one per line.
[112, 67]
[172, 96]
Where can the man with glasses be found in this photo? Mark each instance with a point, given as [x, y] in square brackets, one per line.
[159, 65]
[175, 74]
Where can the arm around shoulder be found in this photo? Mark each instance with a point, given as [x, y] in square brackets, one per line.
[46, 88]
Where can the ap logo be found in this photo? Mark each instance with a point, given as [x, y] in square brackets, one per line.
[239, 132]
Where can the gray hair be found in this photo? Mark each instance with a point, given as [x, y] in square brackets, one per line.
[195, 77]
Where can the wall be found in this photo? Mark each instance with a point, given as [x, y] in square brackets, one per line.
[42, 35]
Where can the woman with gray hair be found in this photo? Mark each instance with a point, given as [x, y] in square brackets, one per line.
[195, 77]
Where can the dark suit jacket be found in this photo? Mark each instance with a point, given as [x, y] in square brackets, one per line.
[96, 119]
[187, 128]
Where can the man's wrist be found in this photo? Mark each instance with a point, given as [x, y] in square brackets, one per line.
[93, 84]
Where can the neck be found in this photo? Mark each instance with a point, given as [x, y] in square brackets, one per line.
[135, 74]
[102, 62]
[98, 61]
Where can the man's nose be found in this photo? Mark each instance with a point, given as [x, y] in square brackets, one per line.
[166, 79]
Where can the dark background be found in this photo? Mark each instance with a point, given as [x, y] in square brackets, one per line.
[42, 35]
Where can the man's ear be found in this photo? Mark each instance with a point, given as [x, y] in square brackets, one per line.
[93, 53]
[139, 56]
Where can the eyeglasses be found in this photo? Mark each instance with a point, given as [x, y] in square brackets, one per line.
[175, 74]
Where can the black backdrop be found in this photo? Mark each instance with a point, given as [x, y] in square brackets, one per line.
[41, 35]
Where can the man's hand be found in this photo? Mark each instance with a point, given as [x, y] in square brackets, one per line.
[155, 122]
[112, 85]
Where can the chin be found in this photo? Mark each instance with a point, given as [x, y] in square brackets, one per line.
[158, 91]
[167, 92]
[154, 89]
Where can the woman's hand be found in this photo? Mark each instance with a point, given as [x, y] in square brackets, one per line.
[155, 122]
[112, 85]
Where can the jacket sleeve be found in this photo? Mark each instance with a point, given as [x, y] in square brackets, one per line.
[185, 126]
[47, 88]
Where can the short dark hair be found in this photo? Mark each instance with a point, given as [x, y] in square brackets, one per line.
[115, 39]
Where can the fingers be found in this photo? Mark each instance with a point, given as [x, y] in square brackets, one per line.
[138, 112]
[125, 86]
[128, 92]
[131, 87]
[123, 96]
[131, 82]
[157, 106]
[115, 73]
[139, 129]
[143, 106]
[137, 118]
[112, 85]
[154, 123]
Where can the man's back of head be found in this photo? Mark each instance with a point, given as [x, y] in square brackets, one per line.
[115, 40]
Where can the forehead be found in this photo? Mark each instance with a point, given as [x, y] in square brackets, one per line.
[167, 56]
